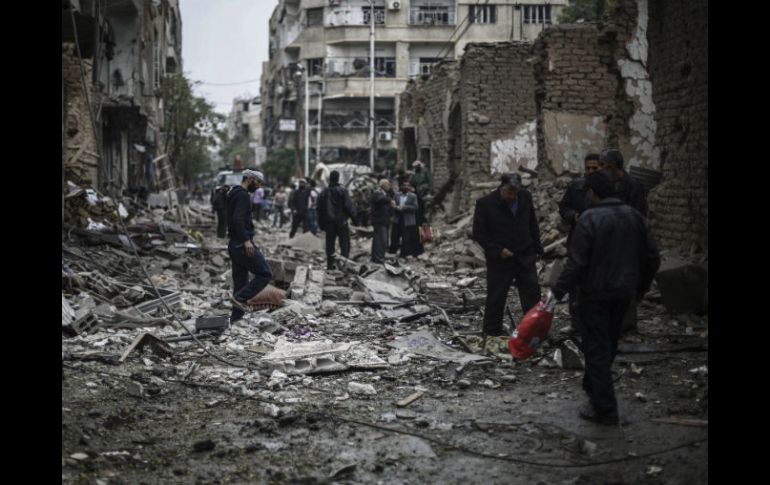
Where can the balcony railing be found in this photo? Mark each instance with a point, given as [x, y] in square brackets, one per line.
[359, 67]
[355, 120]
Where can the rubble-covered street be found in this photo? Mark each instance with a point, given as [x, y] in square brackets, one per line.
[368, 374]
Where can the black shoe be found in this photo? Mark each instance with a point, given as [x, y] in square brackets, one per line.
[590, 414]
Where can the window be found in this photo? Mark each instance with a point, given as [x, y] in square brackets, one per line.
[483, 14]
[315, 66]
[379, 15]
[245, 106]
[426, 64]
[314, 16]
[245, 129]
[384, 66]
[537, 14]
[431, 12]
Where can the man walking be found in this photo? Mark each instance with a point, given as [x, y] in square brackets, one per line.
[572, 204]
[335, 209]
[380, 208]
[244, 254]
[219, 205]
[633, 193]
[298, 206]
[256, 203]
[612, 259]
[279, 202]
[505, 225]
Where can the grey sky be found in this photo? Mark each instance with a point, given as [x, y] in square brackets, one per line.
[225, 41]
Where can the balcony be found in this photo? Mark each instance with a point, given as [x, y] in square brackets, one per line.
[357, 120]
[337, 67]
[351, 87]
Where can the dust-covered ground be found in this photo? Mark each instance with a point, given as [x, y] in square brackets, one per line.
[189, 418]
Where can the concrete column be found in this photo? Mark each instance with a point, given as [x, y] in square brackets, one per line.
[402, 59]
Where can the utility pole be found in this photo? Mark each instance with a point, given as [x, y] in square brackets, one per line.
[371, 82]
[318, 126]
[307, 124]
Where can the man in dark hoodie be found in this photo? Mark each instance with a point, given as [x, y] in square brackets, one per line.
[243, 252]
[505, 225]
[334, 209]
[612, 259]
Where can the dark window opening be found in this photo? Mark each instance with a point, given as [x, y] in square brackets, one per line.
[537, 14]
[379, 15]
[315, 66]
[314, 16]
[245, 129]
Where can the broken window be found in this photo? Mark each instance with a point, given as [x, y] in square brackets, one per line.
[431, 12]
[379, 15]
[483, 14]
[537, 14]
[314, 16]
[315, 66]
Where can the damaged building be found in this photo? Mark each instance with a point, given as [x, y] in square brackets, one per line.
[321, 47]
[541, 107]
[114, 59]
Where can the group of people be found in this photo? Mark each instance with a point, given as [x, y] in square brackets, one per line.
[612, 256]
[612, 260]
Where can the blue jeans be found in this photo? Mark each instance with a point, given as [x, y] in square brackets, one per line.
[312, 220]
[243, 289]
[600, 327]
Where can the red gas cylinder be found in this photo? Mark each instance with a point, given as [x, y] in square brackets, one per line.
[531, 332]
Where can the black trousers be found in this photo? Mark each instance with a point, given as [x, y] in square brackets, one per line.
[243, 289]
[410, 242]
[379, 243]
[336, 229]
[296, 220]
[601, 322]
[574, 311]
[396, 232]
[221, 223]
[501, 273]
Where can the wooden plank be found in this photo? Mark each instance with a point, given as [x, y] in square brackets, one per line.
[698, 423]
[409, 400]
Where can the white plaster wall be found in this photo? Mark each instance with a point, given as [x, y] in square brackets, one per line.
[642, 150]
[569, 137]
[508, 154]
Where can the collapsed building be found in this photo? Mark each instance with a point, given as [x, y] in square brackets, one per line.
[541, 107]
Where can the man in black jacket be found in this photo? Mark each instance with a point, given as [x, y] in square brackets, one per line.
[571, 206]
[612, 259]
[633, 193]
[219, 205]
[381, 205]
[505, 225]
[298, 204]
[334, 209]
[244, 254]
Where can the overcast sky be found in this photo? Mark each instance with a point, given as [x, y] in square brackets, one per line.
[225, 42]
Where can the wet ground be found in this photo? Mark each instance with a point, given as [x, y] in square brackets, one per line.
[166, 420]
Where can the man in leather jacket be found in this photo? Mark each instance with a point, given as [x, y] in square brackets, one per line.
[334, 209]
[612, 259]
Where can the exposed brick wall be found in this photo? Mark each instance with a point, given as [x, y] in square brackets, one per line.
[81, 159]
[577, 73]
[678, 65]
[425, 106]
[497, 94]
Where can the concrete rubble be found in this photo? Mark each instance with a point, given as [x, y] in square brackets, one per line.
[353, 341]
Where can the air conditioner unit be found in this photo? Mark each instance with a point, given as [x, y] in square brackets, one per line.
[385, 136]
[394, 5]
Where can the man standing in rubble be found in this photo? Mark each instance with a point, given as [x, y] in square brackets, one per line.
[312, 208]
[334, 209]
[244, 254]
[422, 183]
[612, 259]
[632, 192]
[380, 207]
[219, 205]
[406, 235]
[298, 201]
[572, 204]
[505, 226]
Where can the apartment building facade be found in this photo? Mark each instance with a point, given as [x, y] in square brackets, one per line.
[322, 47]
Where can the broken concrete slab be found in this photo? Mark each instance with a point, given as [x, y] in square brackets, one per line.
[359, 389]
[305, 242]
[321, 356]
[382, 291]
[143, 339]
[425, 343]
